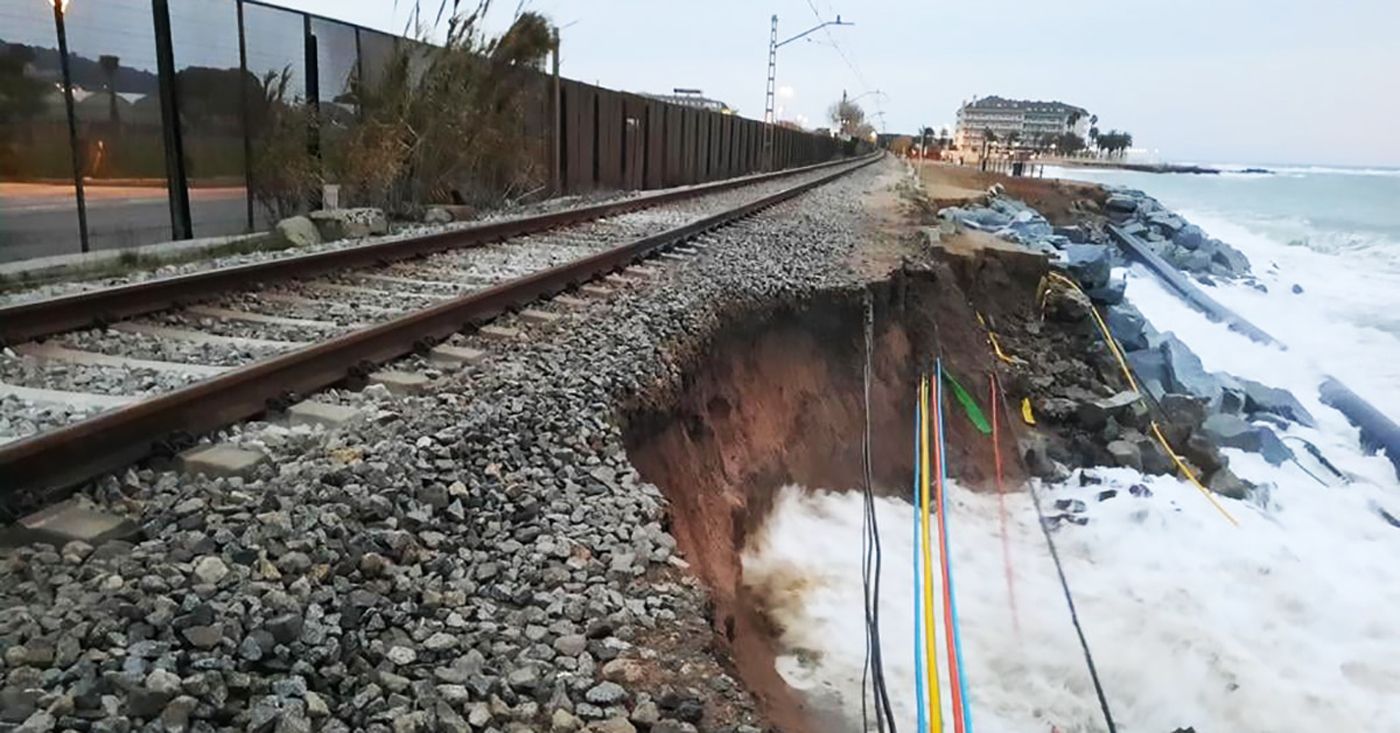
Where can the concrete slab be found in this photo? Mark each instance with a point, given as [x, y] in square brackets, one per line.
[371, 292]
[459, 278]
[54, 352]
[67, 521]
[324, 414]
[569, 302]
[200, 336]
[690, 250]
[401, 383]
[455, 356]
[673, 257]
[60, 397]
[302, 300]
[596, 291]
[221, 460]
[499, 333]
[229, 314]
[621, 280]
[538, 316]
[414, 282]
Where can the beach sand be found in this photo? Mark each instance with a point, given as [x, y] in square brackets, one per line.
[954, 185]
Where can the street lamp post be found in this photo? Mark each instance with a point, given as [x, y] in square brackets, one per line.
[773, 46]
[80, 195]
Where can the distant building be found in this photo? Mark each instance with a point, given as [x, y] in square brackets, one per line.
[1024, 119]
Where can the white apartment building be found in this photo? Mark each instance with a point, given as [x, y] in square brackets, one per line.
[1026, 119]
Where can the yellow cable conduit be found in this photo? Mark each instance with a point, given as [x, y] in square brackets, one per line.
[1128, 374]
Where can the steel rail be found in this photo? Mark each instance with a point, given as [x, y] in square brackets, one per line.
[37, 319]
[34, 467]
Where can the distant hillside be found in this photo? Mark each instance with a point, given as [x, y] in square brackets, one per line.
[87, 73]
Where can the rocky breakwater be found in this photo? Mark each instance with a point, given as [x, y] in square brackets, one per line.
[1084, 248]
[479, 558]
[1182, 244]
[1074, 381]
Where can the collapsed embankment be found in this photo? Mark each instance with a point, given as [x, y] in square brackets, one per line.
[777, 397]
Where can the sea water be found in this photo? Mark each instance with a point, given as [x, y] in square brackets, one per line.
[1286, 622]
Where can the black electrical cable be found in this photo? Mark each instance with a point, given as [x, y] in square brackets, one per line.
[1060, 572]
[871, 556]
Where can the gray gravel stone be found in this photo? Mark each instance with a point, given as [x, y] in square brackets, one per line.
[606, 693]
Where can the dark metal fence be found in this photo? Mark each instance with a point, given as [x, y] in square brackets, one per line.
[127, 122]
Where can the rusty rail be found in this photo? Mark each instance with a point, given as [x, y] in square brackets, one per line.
[32, 468]
[38, 319]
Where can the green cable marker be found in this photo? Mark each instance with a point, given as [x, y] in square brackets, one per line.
[974, 413]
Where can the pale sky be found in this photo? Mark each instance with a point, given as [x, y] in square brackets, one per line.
[1252, 81]
[1248, 81]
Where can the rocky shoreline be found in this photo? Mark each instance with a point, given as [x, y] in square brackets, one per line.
[1203, 411]
[482, 557]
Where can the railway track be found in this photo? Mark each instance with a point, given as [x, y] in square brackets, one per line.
[98, 380]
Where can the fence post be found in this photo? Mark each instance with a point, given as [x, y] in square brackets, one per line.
[556, 113]
[243, 110]
[176, 183]
[313, 101]
[79, 194]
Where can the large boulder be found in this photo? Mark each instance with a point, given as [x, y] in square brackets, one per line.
[1185, 373]
[1273, 449]
[1063, 303]
[1184, 410]
[1166, 223]
[1150, 367]
[1008, 206]
[1226, 483]
[1262, 398]
[981, 219]
[299, 231]
[349, 223]
[1191, 260]
[1154, 459]
[1030, 226]
[1232, 431]
[1189, 237]
[1232, 395]
[1126, 408]
[1110, 294]
[1231, 259]
[1135, 228]
[1090, 264]
[1075, 234]
[1127, 325]
[1121, 204]
[1126, 454]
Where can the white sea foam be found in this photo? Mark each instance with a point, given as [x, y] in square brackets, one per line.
[1344, 322]
[1283, 624]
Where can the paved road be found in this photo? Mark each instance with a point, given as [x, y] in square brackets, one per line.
[39, 220]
